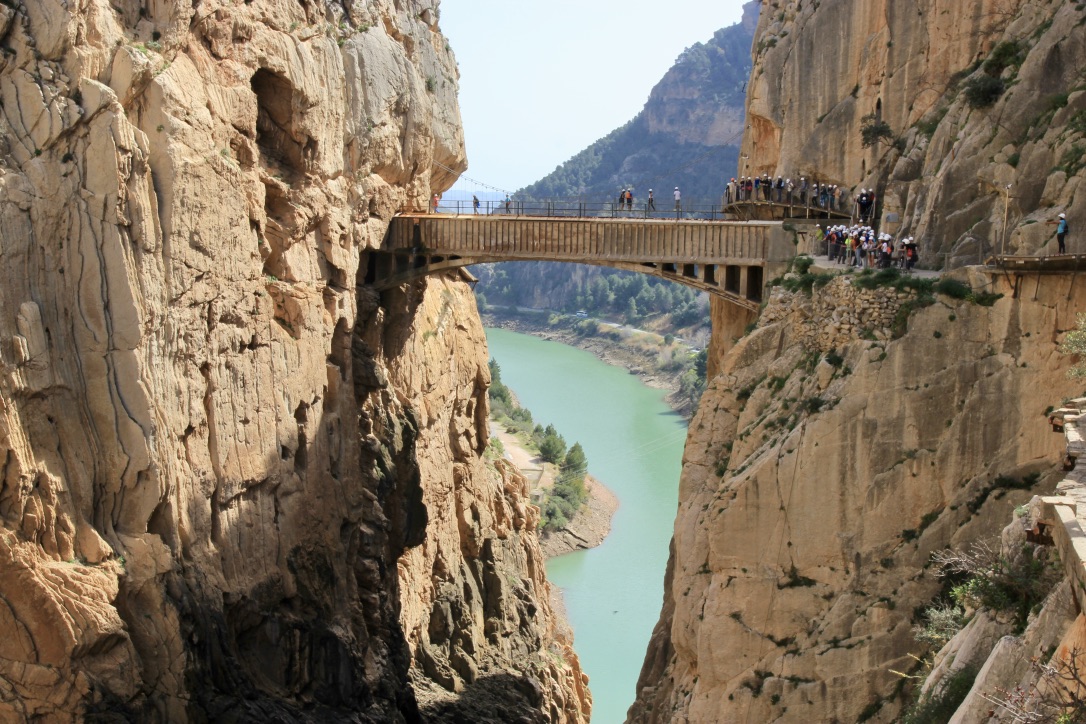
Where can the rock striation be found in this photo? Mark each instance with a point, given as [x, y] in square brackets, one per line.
[821, 474]
[976, 114]
[236, 484]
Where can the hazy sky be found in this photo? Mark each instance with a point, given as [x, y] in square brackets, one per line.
[542, 79]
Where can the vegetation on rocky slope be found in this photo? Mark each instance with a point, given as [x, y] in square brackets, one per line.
[560, 502]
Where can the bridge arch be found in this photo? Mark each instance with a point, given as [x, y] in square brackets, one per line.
[731, 260]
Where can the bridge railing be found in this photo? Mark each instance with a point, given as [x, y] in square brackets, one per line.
[695, 209]
[583, 209]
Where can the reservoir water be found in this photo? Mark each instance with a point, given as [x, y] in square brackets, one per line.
[634, 444]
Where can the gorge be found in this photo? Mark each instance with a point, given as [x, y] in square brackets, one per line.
[239, 484]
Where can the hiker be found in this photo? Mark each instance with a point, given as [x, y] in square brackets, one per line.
[678, 200]
[652, 203]
[1061, 233]
[475, 204]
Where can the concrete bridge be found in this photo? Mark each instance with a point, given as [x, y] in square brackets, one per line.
[733, 260]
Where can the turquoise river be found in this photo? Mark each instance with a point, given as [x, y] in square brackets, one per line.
[634, 444]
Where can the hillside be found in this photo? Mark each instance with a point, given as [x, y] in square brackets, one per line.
[687, 134]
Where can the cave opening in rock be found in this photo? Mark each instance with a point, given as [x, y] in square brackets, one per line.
[283, 148]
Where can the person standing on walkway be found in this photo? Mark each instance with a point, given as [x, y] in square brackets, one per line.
[1061, 233]
[508, 204]
[474, 204]
[433, 203]
[678, 200]
[651, 206]
[629, 200]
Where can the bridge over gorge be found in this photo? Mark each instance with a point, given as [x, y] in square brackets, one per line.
[733, 260]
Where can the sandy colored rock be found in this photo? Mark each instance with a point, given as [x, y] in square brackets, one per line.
[810, 503]
[942, 172]
[236, 483]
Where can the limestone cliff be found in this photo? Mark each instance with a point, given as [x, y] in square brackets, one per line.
[840, 443]
[235, 484]
[964, 99]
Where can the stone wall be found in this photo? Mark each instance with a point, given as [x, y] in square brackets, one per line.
[840, 313]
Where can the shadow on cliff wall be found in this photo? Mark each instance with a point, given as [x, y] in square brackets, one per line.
[497, 699]
[292, 612]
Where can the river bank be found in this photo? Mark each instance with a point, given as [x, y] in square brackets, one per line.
[634, 360]
[591, 524]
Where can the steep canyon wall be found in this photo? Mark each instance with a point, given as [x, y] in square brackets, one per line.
[828, 459]
[971, 98]
[234, 483]
[855, 431]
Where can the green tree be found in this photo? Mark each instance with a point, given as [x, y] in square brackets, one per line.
[874, 130]
[575, 463]
[701, 362]
[553, 448]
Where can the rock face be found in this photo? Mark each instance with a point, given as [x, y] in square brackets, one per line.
[701, 98]
[828, 459]
[235, 484]
[973, 97]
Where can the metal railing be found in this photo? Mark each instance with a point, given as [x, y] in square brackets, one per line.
[695, 209]
[582, 209]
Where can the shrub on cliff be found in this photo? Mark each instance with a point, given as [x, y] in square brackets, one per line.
[983, 91]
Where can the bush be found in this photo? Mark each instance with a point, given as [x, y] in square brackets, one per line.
[802, 264]
[983, 91]
[953, 288]
[940, 704]
[1013, 586]
[1003, 56]
[940, 624]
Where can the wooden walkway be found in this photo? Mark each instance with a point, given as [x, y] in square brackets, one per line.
[1056, 263]
[782, 211]
[730, 259]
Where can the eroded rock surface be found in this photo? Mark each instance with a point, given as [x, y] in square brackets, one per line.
[818, 479]
[234, 484]
[974, 97]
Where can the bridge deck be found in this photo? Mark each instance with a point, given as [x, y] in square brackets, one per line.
[507, 238]
[730, 259]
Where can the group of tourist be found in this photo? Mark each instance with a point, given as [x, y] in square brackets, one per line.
[860, 246]
[801, 192]
[784, 191]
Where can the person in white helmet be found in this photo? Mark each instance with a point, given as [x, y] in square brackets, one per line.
[1061, 233]
[678, 200]
[651, 204]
